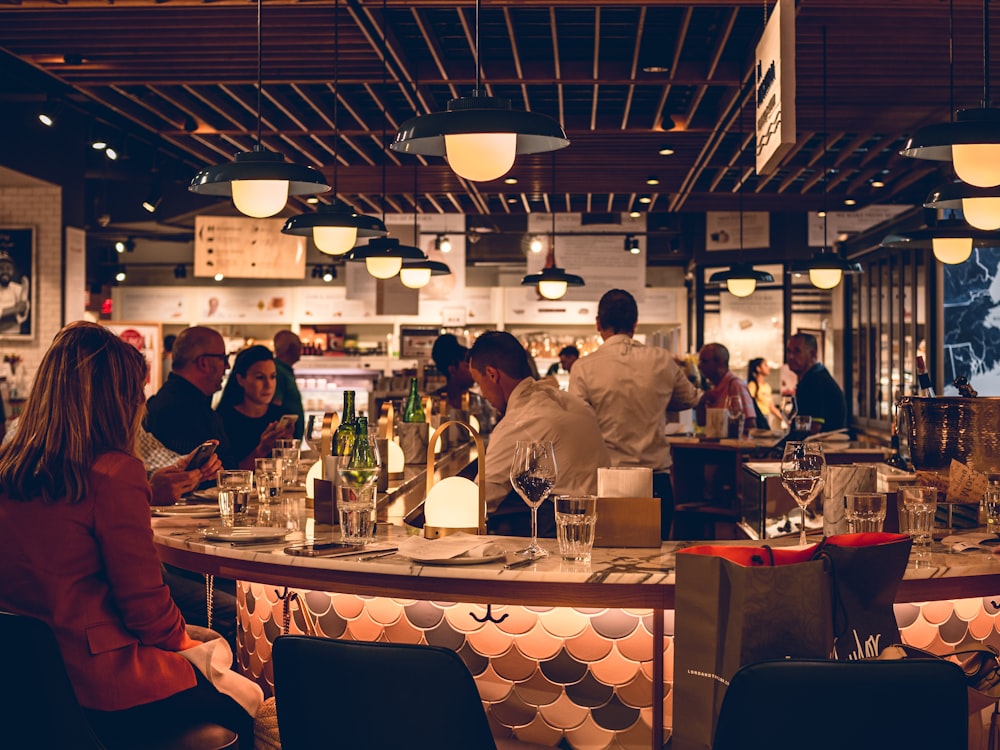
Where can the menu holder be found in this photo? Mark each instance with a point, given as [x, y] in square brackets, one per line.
[627, 522]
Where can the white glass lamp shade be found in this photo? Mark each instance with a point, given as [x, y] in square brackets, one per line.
[415, 278]
[394, 459]
[977, 163]
[452, 503]
[552, 289]
[952, 250]
[315, 472]
[481, 157]
[383, 267]
[741, 287]
[260, 198]
[982, 213]
[825, 278]
[474, 422]
[335, 240]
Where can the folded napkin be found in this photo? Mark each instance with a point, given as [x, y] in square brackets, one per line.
[214, 659]
[449, 547]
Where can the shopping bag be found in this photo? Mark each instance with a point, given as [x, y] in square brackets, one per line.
[866, 571]
[735, 606]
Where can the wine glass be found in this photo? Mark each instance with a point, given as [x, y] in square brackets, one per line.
[789, 408]
[737, 416]
[802, 474]
[533, 474]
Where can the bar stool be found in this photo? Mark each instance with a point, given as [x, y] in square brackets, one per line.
[39, 708]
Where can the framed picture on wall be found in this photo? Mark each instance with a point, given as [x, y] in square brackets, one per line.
[17, 274]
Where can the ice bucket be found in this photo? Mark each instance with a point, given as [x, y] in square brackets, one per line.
[938, 430]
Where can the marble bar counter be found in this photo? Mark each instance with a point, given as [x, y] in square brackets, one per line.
[561, 651]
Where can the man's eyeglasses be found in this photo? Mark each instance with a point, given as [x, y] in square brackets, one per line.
[223, 357]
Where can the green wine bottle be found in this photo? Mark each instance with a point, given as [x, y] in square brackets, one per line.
[362, 470]
[414, 411]
[343, 438]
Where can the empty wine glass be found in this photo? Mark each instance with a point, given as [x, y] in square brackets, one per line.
[533, 474]
[737, 416]
[802, 474]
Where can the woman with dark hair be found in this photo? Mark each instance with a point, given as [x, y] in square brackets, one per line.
[77, 550]
[251, 420]
[760, 391]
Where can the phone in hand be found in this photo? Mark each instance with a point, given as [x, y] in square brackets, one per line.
[324, 549]
[201, 455]
[287, 421]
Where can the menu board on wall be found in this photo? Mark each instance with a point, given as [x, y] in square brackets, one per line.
[243, 248]
[241, 304]
[168, 304]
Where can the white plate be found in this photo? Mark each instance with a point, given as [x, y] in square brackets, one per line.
[245, 533]
[186, 511]
[460, 560]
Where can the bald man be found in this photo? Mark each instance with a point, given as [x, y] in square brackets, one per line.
[713, 362]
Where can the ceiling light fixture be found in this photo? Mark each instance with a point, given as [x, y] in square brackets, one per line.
[652, 180]
[384, 256]
[180, 271]
[479, 136]
[259, 180]
[442, 243]
[552, 281]
[219, 277]
[971, 141]
[336, 228]
[826, 269]
[951, 240]
[120, 274]
[666, 151]
[632, 244]
[536, 244]
[741, 278]
[979, 206]
[417, 274]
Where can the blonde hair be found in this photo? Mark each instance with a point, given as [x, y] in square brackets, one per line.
[87, 400]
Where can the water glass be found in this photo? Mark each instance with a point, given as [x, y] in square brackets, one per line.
[991, 504]
[234, 496]
[864, 511]
[288, 452]
[267, 478]
[576, 519]
[917, 506]
[802, 423]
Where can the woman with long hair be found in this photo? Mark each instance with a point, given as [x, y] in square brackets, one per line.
[760, 390]
[76, 545]
[251, 420]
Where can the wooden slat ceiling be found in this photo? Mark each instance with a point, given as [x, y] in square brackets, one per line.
[179, 77]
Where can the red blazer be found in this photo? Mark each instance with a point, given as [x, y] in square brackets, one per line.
[91, 572]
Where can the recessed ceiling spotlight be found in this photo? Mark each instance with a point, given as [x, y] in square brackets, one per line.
[219, 277]
[510, 180]
[312, 200]
[645, 199]
[536, 244]
[665, 151]
[46, 119]
[652, 180]
[99, 145]
[850, 202]
[512, 200]
[877, 184]
[655, 69]
[821, 214]
[634, 214]
[111, 153]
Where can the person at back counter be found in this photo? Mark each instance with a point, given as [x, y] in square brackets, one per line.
[817, 395]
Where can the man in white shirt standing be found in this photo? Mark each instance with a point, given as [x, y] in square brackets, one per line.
[631, 387]
[533, 410]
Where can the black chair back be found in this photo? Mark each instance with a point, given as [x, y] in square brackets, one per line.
[375, 696]
[831, 705]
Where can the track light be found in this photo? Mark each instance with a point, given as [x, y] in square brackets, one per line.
[120, 273]
[329, 274]
[536, 244]
[632, 244]
[180, 271]
[317, 272]
[442, 243]
[219, 277]
[120, 247]
[153, 198]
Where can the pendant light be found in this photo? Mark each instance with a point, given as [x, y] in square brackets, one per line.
[384, 256]
[950, 239]
[479, 135]
[741, 278]
[259, 180]
[335, 229]
[972, 140]
[826, 269]
[416, 274]
[552, 281]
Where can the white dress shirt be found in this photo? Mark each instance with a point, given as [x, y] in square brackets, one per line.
[537, 410]
[631, 387]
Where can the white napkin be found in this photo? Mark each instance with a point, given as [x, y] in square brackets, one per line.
[449, 547]
[214, 659]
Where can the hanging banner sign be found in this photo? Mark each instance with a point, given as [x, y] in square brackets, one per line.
[775, 82]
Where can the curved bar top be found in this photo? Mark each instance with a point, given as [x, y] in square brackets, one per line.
[616, 577]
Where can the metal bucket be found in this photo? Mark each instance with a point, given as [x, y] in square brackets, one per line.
[938, 430]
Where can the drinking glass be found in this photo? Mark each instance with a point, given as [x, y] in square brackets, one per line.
[789, 408]
[802, 423]
[356, 504]
[234, 496]
[803, 474]
[916, 507]
[267, 479]
[288, 452]
[533, 474]
[737, 417]
[576, 522]
[865, 511]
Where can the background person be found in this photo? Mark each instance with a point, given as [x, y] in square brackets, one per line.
[533, 410]
[288, 351]
[631, 387]
[567, 356]
[713, 362]
[451, 360]
[76, 480]
[249, 417]
[817, 395]
[760, 390]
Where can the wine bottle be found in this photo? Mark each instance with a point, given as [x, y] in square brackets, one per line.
[414, 410]
[363, 466]
[343, 438]
[924, 379]
[894, 459]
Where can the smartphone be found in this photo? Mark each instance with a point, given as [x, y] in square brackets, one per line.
[201, 455]
[322, 549]
[287, 420]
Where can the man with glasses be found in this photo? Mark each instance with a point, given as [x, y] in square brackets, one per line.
[180, 415]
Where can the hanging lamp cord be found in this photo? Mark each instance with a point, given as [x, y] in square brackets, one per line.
[336, 94]
[986, 54]
[826, 139]
[260, 68]
[476, 52]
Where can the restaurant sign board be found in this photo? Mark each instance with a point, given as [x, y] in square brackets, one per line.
[775, 88]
